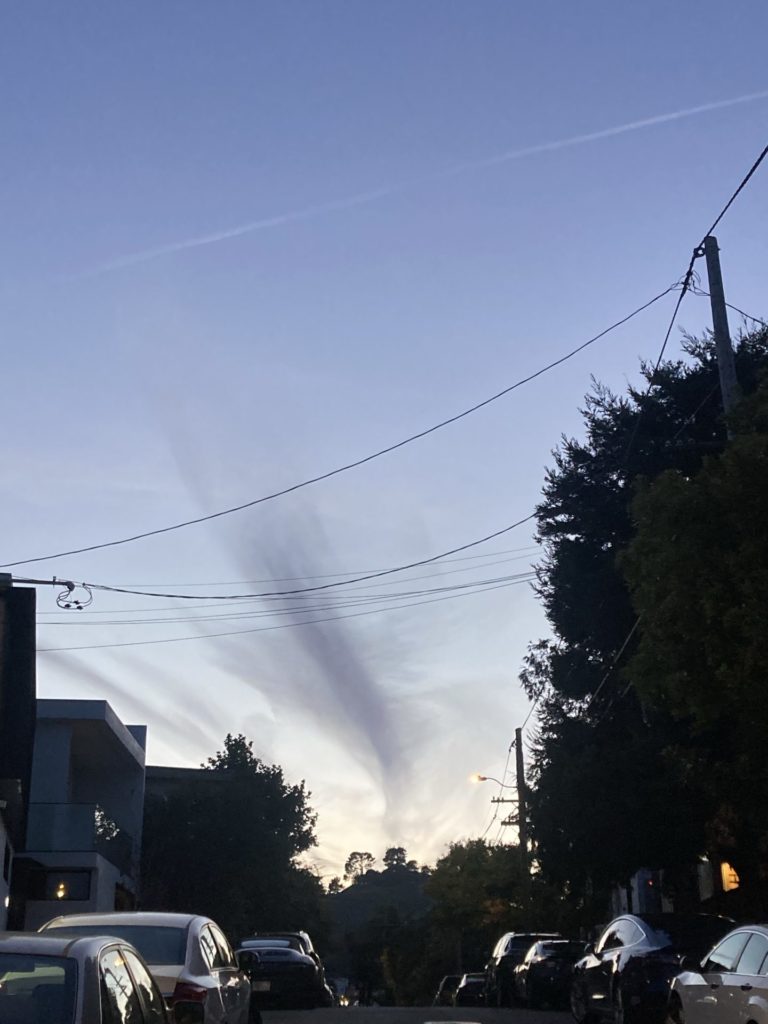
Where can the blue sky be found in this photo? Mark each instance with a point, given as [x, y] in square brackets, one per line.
[142, 392]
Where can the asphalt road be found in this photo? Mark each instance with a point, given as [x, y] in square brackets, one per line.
[415, 1015]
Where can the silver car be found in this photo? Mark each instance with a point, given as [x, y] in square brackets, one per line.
[730, 986]
[65, 979]
[188, 956]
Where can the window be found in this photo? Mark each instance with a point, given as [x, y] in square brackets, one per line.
[120, 1002]
[754, 953]
[37, 988]
[153, 1001]
[724, 956]
[226, 956]
[609, 940]
[159, 945]
[59, 885]
[208, 946]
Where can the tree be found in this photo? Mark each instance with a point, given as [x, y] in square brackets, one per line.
[357, 864]
[698, 572]
[395, 857]
[224, 842]
[596, 736]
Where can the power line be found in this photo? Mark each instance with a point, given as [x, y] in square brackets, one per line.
[363, 601]
[266, 629]
[350, 465]
[317, 576]
[300, 590]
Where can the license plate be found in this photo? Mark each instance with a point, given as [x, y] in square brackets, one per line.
[262, 986]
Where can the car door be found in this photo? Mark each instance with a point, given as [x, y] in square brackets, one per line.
[741, 996]
[120, 1000]
[235, 986]
[705, 1001]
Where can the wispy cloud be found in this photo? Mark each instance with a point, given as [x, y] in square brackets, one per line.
[365, 198]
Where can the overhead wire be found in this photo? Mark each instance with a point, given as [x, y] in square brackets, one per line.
[301, 590]
[213, 600]
[266, 629]
[367, 600]
[349, 465]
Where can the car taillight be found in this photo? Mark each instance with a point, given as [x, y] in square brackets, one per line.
[186, 992]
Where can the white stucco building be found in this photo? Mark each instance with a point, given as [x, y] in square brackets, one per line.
[85, 812]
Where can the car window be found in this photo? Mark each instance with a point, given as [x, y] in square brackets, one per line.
[755, 952]
[158, 944]
[609, 940]
[36, 987]
[119, 999]
[153, 1001]
[724, 956]
[208, 946]
[223, 948]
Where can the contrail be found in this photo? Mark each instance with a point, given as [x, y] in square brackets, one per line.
[365, 198]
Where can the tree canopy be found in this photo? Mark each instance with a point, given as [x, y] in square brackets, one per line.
[605, 765]
[698, 573]
[224, 841]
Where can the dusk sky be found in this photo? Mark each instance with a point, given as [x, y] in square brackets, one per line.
[247, 242]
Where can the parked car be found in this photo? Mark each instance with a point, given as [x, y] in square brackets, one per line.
[544, 976]
[188, 956]
[626, 975]
[281, 976]
[296, 940]
[507, 954]
[470, 991]
[730, 986]
[65, 979]
[446, 990]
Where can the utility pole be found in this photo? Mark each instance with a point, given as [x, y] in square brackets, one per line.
[729, 385]
[522, 819]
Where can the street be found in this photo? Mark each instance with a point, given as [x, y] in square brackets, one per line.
[414, 1015]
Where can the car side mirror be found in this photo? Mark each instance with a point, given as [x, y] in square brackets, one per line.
[248, 960]
[689, 963]
[589, 949]
[188, 1013]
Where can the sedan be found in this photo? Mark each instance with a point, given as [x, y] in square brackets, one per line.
[188, 956]
[626, 976]
[730, 985]
[64, 979]
[544, 976]
[281, 976]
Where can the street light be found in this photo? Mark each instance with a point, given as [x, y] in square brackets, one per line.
[489, 778]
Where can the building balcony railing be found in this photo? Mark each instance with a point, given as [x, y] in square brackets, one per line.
[79, 828]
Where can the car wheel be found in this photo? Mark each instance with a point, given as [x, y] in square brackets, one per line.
[579, 1008]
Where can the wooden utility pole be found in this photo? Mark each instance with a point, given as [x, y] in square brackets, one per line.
[729, 385]
[522, 813]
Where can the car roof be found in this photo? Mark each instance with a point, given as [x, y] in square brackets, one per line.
[135, 917]
[65, 945]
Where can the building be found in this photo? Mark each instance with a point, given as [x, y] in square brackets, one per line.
[17, 726]
[83, 837]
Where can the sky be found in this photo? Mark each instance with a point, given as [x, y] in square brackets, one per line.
[245, 243]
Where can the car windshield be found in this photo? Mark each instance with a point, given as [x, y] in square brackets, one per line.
[562, 950]
[267, 944]
[158, 944]
[694, 934]
[37, 988]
